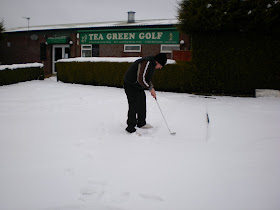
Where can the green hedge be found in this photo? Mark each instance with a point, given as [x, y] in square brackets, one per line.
[92, 73]
[177, 77]
[173, 77]
[9, 76]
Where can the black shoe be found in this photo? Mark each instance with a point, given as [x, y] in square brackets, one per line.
[140, 125]
[130, 129]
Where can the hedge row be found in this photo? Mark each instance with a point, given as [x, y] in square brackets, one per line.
[9, 76]
[223, 63]
[92, 73]
[173, 77]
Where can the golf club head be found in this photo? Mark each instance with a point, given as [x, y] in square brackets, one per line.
[173, 133]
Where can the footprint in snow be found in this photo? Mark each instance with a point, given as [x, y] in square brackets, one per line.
[95, 190]
[100, 191]
[69, 171]
[150, 197]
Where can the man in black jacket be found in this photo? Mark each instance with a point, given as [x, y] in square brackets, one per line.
[137, 79]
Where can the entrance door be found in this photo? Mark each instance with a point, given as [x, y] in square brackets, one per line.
[60, 52]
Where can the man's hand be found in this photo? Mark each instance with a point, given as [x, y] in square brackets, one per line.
[153, 93]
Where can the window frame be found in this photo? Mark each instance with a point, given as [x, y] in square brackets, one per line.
[169, 45]
[89, 49]
[130, 45]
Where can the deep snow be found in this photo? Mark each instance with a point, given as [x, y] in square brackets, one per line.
[63, 147]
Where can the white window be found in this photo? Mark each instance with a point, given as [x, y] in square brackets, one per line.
[168, 48]
[132, 48]
[86, 50]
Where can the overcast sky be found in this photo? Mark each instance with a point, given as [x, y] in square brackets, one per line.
[49, 12]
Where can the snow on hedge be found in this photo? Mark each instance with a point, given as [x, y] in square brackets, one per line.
[107, 59]
[21, 66]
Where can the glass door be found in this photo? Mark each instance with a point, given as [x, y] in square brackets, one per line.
[60, 52]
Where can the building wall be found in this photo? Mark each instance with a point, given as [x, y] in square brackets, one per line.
[187, 40]
[117, 50]
[48, 62]
[110, 50]
[151, 49]
[75, 48]
[19, 48]
[22, 49]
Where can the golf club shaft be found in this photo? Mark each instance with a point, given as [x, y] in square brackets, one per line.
[163, 117]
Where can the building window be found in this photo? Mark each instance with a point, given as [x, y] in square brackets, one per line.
[168, 48]
[86, 50]
[95, 50]
[132, 48]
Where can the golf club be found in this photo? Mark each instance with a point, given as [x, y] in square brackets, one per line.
[172, 133]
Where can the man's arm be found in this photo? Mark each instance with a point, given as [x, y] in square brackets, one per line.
[143, 68]
[142, 73]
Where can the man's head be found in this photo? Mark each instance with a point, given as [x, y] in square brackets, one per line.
[160, 60]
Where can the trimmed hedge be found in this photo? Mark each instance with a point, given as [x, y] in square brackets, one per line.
[92, 73]
[177, 77]
[173, 77]
[9, 76]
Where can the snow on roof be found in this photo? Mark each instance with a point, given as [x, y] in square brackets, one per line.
[97, 25]
[107, 59]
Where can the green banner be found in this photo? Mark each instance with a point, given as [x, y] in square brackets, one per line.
[58, 40]
[151, 36]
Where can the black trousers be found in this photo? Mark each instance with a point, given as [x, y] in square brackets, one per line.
[136, 106]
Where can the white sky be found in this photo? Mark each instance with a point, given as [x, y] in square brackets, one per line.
[82, 11]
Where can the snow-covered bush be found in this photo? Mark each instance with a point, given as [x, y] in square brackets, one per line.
[92, 73]
[173, 77]
[10, 74]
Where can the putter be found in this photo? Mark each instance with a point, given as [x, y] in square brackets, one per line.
[172, 133]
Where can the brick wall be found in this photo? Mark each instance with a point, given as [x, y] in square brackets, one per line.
[117, 50]
[182, 55]
[21, 49]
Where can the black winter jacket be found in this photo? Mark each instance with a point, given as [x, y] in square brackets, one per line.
[140, 73]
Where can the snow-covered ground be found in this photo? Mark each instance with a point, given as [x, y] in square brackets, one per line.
[63, 147]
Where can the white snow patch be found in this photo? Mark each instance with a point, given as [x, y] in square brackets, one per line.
[107, 59]
[21, 66]
[267, 93]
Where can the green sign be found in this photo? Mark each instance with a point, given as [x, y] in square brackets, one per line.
[58, 40]
[126, 36]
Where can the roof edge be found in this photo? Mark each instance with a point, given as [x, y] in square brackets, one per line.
[89, 25]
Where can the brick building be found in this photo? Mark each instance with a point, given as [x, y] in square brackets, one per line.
[47, 44]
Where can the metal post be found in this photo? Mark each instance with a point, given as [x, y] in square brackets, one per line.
[27, 18]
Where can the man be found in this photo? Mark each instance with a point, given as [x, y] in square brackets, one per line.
[137, 79]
